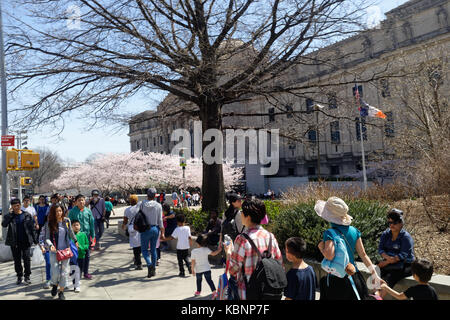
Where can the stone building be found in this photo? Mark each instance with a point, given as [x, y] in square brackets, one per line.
[410, 30]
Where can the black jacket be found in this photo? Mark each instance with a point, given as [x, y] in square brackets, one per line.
[9, 222]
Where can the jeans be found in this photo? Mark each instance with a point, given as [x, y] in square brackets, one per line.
[183, 255]
[149, 239]
[207, 275]
[19, 254]
[137, 256]
[99, 229]
[60, 271]
[48, 275]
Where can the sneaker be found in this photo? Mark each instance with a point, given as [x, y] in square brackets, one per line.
[77, 289]
[214, 295]
[61, 296]
[54, 290]
[197, 293]
[88, 276]
[19, 280]
[138, 267]
[27, 280]
[47, 285]
[181, 274]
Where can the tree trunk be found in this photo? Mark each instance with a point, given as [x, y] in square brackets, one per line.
[213, 189]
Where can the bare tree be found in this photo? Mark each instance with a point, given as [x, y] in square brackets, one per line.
[50, 168]
[422, 131]
[206, 52]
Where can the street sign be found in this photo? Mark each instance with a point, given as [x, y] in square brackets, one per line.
[8, 141]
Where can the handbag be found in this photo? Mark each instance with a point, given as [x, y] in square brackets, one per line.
[63, 254]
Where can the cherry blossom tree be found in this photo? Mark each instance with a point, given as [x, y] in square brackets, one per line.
[138, 170]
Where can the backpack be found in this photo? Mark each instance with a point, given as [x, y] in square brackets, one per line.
[268, 279]
[140, 223]
[340, 261]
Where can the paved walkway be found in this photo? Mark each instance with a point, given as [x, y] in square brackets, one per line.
[113, 277]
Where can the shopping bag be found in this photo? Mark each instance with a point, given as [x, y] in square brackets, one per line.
[37, 257]
[74, 249]
[222, 287]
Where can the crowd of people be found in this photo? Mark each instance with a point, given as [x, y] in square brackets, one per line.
[246, 247]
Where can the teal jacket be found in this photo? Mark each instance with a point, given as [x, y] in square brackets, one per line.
[86, 220]
[83, 244]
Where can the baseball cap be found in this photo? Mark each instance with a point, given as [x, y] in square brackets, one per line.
[151, 192]
[95, 193]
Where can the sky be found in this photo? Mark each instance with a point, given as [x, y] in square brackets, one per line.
[75, 144]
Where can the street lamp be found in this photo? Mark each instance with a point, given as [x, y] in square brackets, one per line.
[318, 107]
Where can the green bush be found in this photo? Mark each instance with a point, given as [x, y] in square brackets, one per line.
[196, 219]
[273, 211]
[300, 220]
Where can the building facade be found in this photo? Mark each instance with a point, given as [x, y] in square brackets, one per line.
[365, 62]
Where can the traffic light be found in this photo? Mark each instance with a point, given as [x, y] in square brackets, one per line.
[26, 181]
[12, 160]
[29, 160]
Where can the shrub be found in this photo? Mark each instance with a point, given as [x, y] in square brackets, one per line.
[300, 220]
[196, 219]
[273, 211]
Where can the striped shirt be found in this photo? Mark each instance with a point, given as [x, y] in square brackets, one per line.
[244, 255]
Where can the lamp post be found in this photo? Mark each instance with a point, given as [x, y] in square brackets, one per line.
[317, 108]
[5, 187]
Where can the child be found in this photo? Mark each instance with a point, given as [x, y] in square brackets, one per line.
[83, 245]
[200, 264]
[301, 277]
[422, 271]
[183, 234]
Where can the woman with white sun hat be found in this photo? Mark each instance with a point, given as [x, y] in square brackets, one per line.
[335, 211]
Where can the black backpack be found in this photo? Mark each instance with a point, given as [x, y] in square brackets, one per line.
[140, 223]
[230, 228]
[269, 278]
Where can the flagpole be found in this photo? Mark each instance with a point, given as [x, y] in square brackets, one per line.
[361, 135]
[362, 152]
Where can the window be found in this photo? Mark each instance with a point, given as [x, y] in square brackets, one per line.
[334, 170]
[312, 135]
[160, 140]
[311, 171]
[364, 129]
[271, 114]
[389, 125]
[360, 89]
[291, 172]
[335, 134]
[309, 105]
[289, 110]
[332, 100]
[385, 92]
[168, 139]
[148, 143]
[137, 145]
[154, 141]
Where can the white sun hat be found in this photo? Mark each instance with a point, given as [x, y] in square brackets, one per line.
[333, 210]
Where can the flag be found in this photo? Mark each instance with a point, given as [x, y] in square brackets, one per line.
[372, 111]
[365, 109]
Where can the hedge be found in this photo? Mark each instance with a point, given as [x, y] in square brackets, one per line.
[300, 220]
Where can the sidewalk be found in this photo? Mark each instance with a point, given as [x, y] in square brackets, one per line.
[113, 277]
